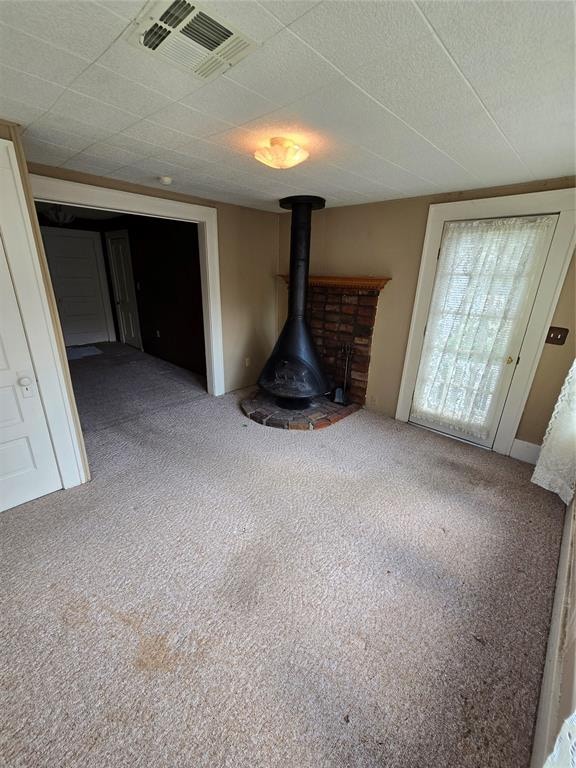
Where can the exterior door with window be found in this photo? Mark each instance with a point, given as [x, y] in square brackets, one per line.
[486, 282]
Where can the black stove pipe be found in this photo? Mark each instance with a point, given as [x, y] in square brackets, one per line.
[300, 226]
[293, 372]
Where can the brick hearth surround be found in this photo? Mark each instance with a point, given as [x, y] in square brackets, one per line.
[342, 310]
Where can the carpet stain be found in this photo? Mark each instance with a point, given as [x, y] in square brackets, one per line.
[118, 717]
[155, 655]
[76, 612]
[129, 618]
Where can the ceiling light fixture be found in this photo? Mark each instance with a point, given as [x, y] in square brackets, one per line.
[282, 153]
[57, 214]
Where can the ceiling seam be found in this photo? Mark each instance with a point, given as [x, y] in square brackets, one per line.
[276, 18]
[68, 86]
[366, 178]
[65, 87]
[237, 85]
[115, 13]
[456, 66]
[35, 77]
[383, 106]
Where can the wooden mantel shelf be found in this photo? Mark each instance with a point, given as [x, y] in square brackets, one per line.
[360, 283]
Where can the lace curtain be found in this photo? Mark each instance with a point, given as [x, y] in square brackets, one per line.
[486, 276]
[556, 467]
[564, 753]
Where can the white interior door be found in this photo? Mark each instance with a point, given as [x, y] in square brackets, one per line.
[28, 466]
[486, 282]
[118, 247]
[78, 276]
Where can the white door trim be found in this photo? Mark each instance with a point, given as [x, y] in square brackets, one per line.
[35, 310]
[85, 195]
[562, 202]
[528, 452]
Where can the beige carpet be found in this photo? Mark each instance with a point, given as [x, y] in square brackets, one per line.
[123, 382]
[226, 594]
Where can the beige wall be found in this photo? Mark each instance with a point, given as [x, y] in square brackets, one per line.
[248, 244]
[553, 367]
[385, 239]
[248, 248]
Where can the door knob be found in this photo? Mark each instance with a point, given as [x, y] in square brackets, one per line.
[24, 381]
[509, 360]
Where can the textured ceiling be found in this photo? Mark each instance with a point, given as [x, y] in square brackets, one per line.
[392, 99]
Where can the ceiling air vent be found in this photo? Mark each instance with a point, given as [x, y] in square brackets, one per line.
[188, 37]
[154, 36]
[176, 13]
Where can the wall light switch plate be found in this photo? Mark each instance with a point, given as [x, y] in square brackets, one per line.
[556, 335]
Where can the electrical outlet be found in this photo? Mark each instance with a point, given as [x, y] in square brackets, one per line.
[556, 335]
[247, 362]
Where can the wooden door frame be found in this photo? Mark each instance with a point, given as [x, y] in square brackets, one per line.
[561, 202]
[100, 267]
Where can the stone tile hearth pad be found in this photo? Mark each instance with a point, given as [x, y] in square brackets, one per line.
[321, 412]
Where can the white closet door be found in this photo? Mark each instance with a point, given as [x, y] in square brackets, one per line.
[120, 260]
[486, 282]
[78, 276]
[28, 466]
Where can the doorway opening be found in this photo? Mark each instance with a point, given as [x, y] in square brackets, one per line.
[129, 297]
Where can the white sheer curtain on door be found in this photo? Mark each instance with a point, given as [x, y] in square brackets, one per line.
[556, 467]
[486, 273]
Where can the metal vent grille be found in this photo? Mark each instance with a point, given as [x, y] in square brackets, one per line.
[211, 67]
[178, 11]
[206, 31]
[234, 48]
[186, 37]
[185, 55]
[154, 36]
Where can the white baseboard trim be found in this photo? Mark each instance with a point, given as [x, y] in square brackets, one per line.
[554, 679]
[524, 451]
